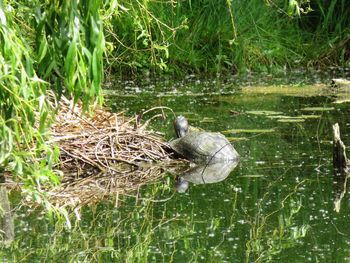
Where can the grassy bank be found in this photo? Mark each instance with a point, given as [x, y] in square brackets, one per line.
[229, 37]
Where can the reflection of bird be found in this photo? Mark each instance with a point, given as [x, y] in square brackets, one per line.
[201, 147]
[181, 185]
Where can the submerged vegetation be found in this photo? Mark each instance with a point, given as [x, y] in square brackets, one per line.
[54, 48]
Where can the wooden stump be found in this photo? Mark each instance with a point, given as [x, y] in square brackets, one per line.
[340, 162]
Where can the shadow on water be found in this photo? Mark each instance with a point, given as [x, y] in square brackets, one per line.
[277, 204]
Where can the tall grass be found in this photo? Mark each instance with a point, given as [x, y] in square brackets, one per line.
[227, 36]
[203, 36]
[330, 25]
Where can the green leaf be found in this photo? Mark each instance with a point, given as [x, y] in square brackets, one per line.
[49, 69]
[70, 64]
[96, 67]
[43, 118]
[87, 54]
[42, 49]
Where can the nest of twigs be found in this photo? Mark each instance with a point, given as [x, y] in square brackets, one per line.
[104, 153]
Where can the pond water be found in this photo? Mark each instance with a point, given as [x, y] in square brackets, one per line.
[277, 205]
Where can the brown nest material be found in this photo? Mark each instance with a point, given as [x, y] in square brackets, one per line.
[104, 153]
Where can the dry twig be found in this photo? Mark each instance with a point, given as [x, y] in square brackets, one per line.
[103, 154]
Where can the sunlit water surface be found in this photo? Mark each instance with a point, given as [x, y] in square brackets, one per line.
[277, 205]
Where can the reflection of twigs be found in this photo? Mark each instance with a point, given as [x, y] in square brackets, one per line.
[101, 154]
[318, 133]
[285, 199]
[157, 200]
[338, 231]
[260, 222]
[98, 186]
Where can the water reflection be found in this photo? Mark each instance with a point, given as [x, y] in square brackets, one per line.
[340, 181]
[7, 232]
[204, 174]
[277, 207]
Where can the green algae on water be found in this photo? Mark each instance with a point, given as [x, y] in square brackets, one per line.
[248, 131]
[317, 109]
[264, 112]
